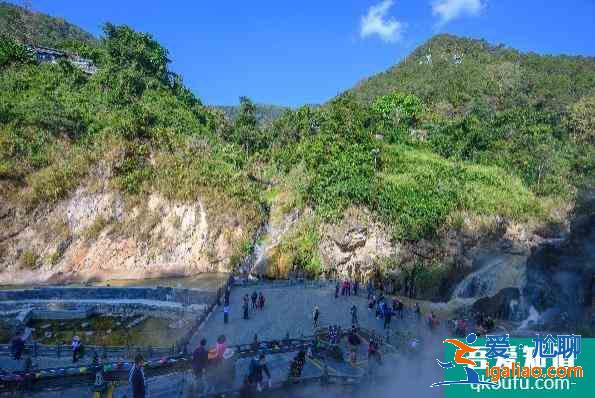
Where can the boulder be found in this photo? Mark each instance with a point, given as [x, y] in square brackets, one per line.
[501, 306]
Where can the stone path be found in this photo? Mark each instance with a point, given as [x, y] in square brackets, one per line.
[287, 310]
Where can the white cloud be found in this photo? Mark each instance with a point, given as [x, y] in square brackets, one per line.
[377, 22]
[448, 10]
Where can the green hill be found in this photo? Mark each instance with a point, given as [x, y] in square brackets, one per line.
[39, 29]
[473, 131]
[453, 73]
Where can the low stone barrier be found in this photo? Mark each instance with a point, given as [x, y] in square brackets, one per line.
[177, 295]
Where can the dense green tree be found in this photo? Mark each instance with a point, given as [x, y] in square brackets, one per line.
[581, 120]
[12, 52]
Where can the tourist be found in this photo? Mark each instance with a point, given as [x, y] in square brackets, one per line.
[371, 302]
[348, 287]
[220, 347]
[355, 287]
[388, 313]
[380, 309]
[254, 298]
[353, 311]
[297, 365]
[256, 370]
[17, 346]
[373, 350]
[400, 308]
[337, 288]
[316, 317]
[227, 294]
[226, 313]
[260, 301]
[100, 386]
[370, 289]
[200, 359]
[255, 343]
[77, 349]
[246, 309]
[246, 388]
[417, 311]
[333, 331]
[353, 341]
[460, 328]
[489, 324]
[432, 320]
[136, 378]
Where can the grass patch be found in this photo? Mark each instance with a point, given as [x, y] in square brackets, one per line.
[93, 231]
[298, 252]
[418, 190]
[28, 259]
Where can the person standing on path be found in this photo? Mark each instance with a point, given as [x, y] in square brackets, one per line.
[254, 298]
[388, 313]
[401, 309]
[355, 287]
[337, 288]
[257, 368]
[136, 378]
[226, 298]
[316, 317]
[77, 348]
[200, 359]
[353, 311]
[17, 346]
[261, 301]
[370, 289]
[353, 341]
[246, 310]
[226, 314]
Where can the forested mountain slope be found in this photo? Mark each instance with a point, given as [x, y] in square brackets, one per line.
[39, 29]
[407, 175]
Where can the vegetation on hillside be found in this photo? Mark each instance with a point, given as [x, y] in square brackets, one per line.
[265, 113]
[40, 29]
[480, 130]
[133, 114]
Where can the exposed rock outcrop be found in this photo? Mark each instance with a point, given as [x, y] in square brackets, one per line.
[355, 247]
[96, 234]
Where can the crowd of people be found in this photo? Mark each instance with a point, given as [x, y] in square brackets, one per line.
[257, 300]
[347, 288]
[258, 375]
[251, 303]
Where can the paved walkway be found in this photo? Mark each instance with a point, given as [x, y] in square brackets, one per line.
[288, 310]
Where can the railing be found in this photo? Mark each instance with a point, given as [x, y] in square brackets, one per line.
[60, 351]
[117, 371]
[274, 284]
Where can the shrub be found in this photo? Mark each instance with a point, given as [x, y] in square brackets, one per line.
[29, 259]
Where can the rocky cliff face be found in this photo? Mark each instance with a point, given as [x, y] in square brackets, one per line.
[477, 259]
[97, 234]
[356, 246]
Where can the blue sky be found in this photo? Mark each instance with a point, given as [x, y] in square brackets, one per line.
[296, 52]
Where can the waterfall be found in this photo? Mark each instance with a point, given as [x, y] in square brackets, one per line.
[531, 320]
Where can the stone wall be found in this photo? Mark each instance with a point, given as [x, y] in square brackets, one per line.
[182, 296]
